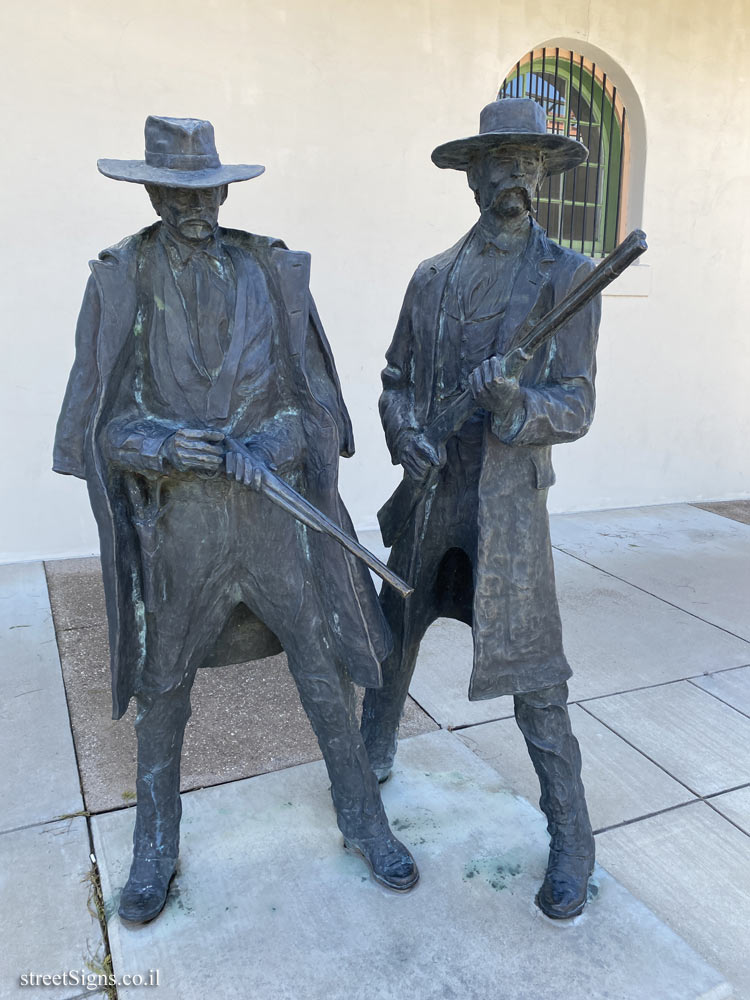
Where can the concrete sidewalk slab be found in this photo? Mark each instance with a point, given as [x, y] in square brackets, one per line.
[266, 897]
[731, 686]
[440, 684]
[616, 638]
[690, 866]
[621, 784]
[44, 896]
[39, 778]
[735, 806]
[697, 739]
[678, 552]
[247, 719]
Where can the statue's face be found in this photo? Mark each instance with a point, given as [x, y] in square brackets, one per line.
[505, 182]
[193, 212]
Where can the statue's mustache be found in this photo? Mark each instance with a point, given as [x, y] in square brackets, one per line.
[501, 195]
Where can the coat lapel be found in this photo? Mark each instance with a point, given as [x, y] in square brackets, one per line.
[292, 272]
[219, 396]
[429, 319]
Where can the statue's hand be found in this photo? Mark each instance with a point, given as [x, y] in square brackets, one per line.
[201, 450]
[492, 390]
[247, 468]
[418, 456]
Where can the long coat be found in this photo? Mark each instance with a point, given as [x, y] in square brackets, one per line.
[509, 596]
[358, 634]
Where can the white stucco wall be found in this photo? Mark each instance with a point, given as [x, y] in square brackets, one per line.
[343, 100]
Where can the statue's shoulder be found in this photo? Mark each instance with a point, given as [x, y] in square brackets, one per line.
[251, 242]
[426, 269]
[126, 251]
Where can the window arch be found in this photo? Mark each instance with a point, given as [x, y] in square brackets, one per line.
[582, 208]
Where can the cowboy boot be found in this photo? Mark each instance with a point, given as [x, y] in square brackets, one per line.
[390, 862]
[156, 837]
[363, 822]
[544, 721]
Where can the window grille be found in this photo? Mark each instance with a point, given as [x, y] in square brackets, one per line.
[579, 208]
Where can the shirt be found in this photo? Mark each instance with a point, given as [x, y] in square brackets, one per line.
[476, 297]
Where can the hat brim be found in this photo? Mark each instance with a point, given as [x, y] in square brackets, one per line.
[561, 152]
[139, 172]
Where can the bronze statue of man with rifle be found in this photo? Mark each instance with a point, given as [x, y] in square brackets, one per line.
[490, 365]
[205, 413]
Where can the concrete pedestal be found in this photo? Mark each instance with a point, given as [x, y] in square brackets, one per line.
[266, 903]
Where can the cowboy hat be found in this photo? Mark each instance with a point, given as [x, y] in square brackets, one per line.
[180, 152]
[513, 122]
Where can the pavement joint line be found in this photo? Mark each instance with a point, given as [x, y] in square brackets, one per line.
[214, 784]
[714, 695]
[725, 817]
[724, 670]
[707, 505]
[94, 874]
[472, 725]
[639, 819]
[423, 709]
[608, 694]
[649, 687]
[726, 791]
[45, 822]
[680, 805]
[698, 796]
[642, 752]
[655, 596]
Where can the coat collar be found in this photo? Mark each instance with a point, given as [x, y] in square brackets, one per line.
[539, 253]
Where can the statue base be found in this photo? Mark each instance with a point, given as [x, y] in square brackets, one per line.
[266, 903]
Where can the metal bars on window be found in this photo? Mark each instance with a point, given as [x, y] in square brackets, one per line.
[580, 208]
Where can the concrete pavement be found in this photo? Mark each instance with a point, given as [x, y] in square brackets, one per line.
[656, 614]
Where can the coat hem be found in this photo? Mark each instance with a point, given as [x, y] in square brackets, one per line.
[525, 682]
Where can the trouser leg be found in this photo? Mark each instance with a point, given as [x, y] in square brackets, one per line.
[543, 718]
[383, 707]
[328, 699]
[160, 729]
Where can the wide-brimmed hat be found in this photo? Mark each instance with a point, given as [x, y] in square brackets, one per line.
[180, 152]
[512, 122]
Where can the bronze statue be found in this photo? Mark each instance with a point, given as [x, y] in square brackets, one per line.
[468, 525]
[205, 414]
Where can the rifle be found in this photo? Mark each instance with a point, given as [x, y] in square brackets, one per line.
[279, 493]
[532, 337]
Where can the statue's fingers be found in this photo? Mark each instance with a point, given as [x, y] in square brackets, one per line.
[486, 372]
[197, 449]
[205, 461]
[496, 368]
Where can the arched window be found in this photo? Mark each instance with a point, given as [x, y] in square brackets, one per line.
[580, 208]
